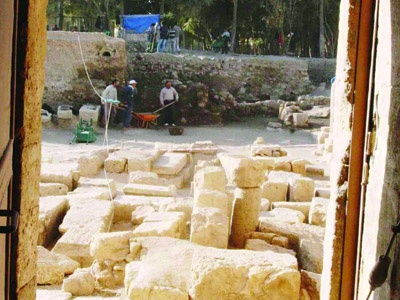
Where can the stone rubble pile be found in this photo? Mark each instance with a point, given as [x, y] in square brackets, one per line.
[252, 229]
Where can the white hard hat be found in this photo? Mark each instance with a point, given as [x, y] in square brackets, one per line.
[132, 82]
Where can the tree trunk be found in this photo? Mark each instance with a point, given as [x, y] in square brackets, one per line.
[61, 14]
[162, 7]
[234, 24]
[321, 29]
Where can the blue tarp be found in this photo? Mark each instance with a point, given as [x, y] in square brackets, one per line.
[139, 23]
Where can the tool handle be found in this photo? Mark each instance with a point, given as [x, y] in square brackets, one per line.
[164, 107]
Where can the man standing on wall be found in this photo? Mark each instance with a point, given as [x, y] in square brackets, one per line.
[109, 93]
[162, 42]
[178, 31]
[226, 36]
[129, 99]
[168, 96]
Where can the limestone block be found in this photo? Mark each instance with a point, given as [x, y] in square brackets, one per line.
[179, 180]
[262, 275]
[160, 229]
[48, 269]
[115, 164]
[311, 255]
[150, 190]
[211, 198]
[46, 294]
[178, 217]
[170, 163]
[110, 246]
[64, 112]
[260, 245]
[53, 173]
[210, 178]
[280, 241]
[140, 213]
[125, 205]
[209, 227]
[52, 189]
[268, 163]
[150, 178]
[80, 283]
[294, 232]
[242, 172]
[140, 163]
[312, 170]
[169, 280]
[303, 207]
[52, 210]
[245, 214]
[322, 192]
[301, 189]
[84, 214]
[98, 182]
[300, 120]
[299, 166]
[318, 211]
[90, 165]
[284, 166]
[89, 113]
[269, 238]
[274, 191]
[264, 150]
[99, 193]
[281, 176]
[311, 282]
[285, 215]
[184, 205]
[67, 264]
[265, 205]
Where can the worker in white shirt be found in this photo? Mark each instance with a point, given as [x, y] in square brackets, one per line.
[109, 93]
[169, 95]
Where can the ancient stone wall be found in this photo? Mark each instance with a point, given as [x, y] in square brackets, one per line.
[66, 80]
[382, 206]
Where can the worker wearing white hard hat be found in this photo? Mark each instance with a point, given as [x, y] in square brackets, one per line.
[129, 98]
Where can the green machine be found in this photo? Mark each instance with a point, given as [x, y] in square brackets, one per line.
[84, 132]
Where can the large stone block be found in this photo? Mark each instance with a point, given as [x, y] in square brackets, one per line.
[89, 113]
[318, 211]
[246, 209]
[225, 275]
[110, 246]
[54, 173]
[115, 164]
[301, 189]
[98, 183]
[170, 163]
[52, 210]
[84, 214]
[299, 166]
[303, 207]
[264, 150]
[87, 192]
[242, 172]
[268, 163]
[150, 190]
[209, 227]
[48, 269]
[150, 178]
[169, 216]
[300, 120]
[285, 215]
[210, 178]
[311, 255]
[261, 245]
[141, 213]
[179, 180]
[52, 189]
[125, 205]
[184, 205]
[90, 165]
[275, 191]
[211, 198]
[284, 166]
[81, 283]
[160, 229]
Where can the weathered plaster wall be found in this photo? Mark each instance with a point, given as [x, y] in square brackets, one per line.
[383, 191]
[32, 38]
[341, 132]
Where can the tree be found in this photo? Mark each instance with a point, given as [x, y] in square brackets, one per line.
[321, 29]
[234, 24]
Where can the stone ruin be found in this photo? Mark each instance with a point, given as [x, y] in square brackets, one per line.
[182, 221]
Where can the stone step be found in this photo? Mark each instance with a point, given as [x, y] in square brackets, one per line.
[150, 190]
[170, 163]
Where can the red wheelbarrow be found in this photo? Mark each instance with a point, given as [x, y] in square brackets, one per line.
[144, 119]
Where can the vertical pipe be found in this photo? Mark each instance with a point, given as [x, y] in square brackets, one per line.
[351, 235]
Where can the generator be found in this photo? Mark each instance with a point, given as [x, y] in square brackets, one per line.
[84, 132]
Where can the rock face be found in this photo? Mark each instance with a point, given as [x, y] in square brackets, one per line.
[66, 81]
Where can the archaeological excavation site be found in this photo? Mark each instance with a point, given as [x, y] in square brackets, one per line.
[278, 182]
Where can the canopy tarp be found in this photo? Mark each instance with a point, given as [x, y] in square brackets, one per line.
[139, 23]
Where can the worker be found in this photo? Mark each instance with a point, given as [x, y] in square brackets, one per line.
[169, 96]
[226, 37]
[129, 99]
[110, 93]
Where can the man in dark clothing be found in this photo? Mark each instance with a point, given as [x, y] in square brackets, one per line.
[163, 38]
[129, 98]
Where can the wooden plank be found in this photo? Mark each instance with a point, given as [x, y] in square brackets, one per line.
[6, 169]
